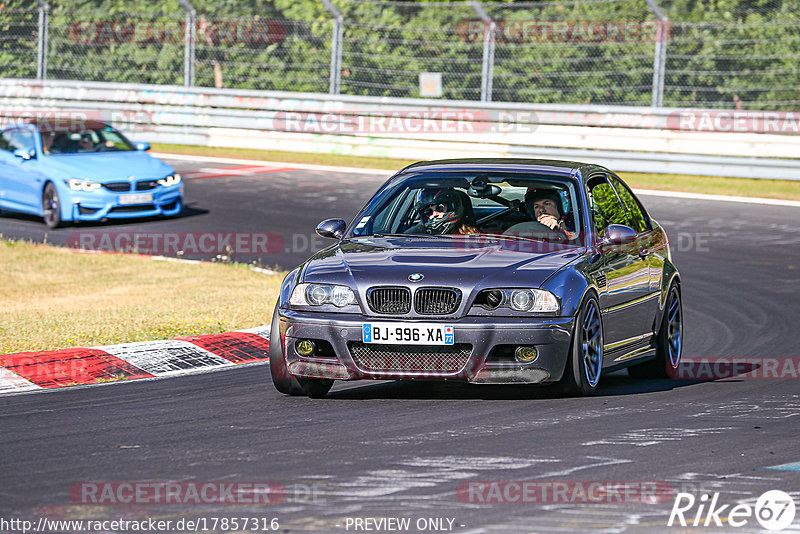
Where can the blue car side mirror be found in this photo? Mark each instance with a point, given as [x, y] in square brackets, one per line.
[143, 146]
[25, 153]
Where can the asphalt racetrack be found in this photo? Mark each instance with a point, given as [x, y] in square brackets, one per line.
[408, 449]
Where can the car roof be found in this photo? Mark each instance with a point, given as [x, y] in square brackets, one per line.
[544, 166]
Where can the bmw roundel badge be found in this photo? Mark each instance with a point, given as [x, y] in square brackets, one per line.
[416, 277]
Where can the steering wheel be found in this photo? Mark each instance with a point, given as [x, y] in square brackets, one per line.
[539, 230]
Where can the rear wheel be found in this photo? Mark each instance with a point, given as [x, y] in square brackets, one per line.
[669, 342]
[283, 381]
[51, 206]
[582, 373]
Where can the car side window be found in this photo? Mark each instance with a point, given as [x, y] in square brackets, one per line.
[605, 205]
[12, 140]
[636, 214]
[9, 141]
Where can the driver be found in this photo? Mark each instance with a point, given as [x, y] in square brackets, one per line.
[545, 207]
[85, 144]
[442, 212]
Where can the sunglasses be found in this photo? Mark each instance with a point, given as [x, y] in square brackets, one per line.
[436, 208]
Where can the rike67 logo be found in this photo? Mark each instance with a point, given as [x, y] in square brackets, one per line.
[774, 510]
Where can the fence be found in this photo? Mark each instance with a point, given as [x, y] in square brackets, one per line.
[608, 52]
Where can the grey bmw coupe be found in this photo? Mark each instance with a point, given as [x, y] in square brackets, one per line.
[491, 271]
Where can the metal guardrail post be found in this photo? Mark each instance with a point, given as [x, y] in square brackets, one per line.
[41, 59]
[336, 47]
[487, 69]
[190, 38]
[660, 53]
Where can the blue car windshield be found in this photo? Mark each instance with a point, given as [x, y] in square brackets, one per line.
[85, 140]
[524, 205]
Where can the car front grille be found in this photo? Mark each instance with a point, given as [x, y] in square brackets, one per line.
[118, 187]
[443, 359]
[436, 301]
[146, 185]
[132, 209]
[389, 300]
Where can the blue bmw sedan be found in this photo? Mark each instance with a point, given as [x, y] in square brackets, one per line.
[86, 171]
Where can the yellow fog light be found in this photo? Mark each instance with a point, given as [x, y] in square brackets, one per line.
[305, 347]
[525, 354]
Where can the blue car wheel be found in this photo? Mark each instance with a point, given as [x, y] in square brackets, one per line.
[51, 206]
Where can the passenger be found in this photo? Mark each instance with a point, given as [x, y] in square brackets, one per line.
[47, 141]
[442, 212]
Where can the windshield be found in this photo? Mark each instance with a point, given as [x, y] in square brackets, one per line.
[522, 205]
[96, 139]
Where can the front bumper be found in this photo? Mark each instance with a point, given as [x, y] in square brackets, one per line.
[551, 336]
[102, 204]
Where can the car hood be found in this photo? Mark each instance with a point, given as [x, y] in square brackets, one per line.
[468, 264]
[107, 166]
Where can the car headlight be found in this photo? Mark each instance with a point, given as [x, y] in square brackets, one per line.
[77, 184]
[172, 179]
[524, 300]
[320, 294]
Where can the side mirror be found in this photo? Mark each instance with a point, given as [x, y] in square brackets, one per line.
[143, 146]
[618, 234]
[25, 153]
[332, 228]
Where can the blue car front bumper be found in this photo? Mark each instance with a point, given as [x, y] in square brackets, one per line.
[102, 204]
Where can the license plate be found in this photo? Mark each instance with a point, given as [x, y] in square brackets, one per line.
[139, 198]
[408, 333]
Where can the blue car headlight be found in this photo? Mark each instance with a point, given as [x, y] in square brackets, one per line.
[76, 184]
[172, 179]
[321, 294]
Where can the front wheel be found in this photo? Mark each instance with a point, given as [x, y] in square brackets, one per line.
[669, 342]
[51, 206]
[585, 363]
[281, 378]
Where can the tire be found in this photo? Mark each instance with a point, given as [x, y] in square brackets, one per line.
[585, 362]
[51, 206]
[283, 381]
[669, 342]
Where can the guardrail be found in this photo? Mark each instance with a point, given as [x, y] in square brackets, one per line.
[631, 139]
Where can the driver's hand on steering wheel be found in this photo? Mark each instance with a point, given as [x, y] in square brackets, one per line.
[550, 221]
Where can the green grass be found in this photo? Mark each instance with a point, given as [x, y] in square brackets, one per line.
[55, 298]
[711, 185]
[286, 157]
